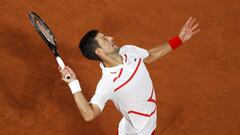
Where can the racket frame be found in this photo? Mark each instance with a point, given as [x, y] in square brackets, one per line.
[33, 17]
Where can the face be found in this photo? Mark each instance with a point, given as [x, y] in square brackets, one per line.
[107, 44]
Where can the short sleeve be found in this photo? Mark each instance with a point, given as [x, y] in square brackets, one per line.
[136, 51]
[103, 93]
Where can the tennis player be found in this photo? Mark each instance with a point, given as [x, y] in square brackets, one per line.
[125, 79]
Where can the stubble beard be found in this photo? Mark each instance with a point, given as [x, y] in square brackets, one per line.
[115, 52]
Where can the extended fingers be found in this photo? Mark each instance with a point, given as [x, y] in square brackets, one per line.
[191, 22]
[193, 29]
[190, 27]
[195, 32]
[195, 26]
[188, 21]
[186, 25]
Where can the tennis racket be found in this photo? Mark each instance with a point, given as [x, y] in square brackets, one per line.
[47, 35]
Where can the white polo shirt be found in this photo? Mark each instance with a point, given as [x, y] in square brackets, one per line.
[130, 88]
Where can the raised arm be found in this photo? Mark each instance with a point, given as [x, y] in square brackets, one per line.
[187, 31]
[88, 111]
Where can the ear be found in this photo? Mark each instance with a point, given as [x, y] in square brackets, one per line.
[99, 52]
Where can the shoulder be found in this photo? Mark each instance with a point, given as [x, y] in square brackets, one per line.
[134, 50]
[105, 83]
[127, 48]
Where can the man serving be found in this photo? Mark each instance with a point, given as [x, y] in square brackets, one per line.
[125, 80]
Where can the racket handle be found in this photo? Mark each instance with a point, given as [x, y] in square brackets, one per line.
[62, 65]
[60, 62]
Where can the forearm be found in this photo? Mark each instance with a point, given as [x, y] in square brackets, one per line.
[84, 107]
[158, 52]
[88, 111]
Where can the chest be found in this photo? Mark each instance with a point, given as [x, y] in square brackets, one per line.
[133, 75]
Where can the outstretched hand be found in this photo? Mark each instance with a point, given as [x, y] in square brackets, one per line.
[188, 30]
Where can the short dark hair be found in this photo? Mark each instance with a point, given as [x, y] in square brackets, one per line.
[88, 45]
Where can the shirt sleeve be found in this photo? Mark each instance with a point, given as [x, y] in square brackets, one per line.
[103, 93]
[136, 51]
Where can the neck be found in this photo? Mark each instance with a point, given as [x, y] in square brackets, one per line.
[113, 60]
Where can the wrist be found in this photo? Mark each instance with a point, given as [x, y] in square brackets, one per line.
[74, 86]
[175, 42]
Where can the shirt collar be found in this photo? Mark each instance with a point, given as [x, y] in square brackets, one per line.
[111, 70]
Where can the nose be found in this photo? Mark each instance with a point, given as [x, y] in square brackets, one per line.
[110, 38]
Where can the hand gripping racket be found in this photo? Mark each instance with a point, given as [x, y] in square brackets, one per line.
[47, 35]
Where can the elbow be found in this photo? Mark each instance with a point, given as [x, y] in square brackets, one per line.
[88, 117]
[89, 114]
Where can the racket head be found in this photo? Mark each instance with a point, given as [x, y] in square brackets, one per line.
[44, 31]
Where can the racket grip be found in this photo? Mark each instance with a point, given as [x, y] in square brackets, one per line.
[62, 65]
[60, 62]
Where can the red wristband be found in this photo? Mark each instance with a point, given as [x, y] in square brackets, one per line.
[175, 42]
